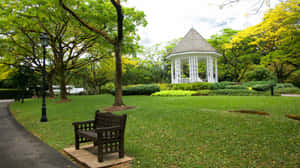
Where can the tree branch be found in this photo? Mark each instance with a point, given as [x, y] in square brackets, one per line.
[104, 34]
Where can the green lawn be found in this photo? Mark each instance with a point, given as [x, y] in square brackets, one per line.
[183, 132]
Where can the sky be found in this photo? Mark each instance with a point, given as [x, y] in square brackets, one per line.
[170, 19]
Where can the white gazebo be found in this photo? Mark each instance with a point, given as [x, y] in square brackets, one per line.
[191, 50]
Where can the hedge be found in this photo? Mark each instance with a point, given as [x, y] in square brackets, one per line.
[192, 86]
[284, 85]
[287, 90]
[14, 94]
[236, 87]
[253, 83]
[221, 85]
[139, 90]
[174, 93]
[261, 87]
[238, 92]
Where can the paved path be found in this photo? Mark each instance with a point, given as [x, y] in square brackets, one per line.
[291, 95]
[20, 149]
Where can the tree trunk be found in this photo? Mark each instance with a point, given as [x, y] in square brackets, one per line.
[118, 81]
[117, 45]
[50, 84]
[62, 80]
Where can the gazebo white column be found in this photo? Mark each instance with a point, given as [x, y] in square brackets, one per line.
[193, 67]
[177, 70]
[209, 69]
[216, 69]
[196, 75]
[172, 71]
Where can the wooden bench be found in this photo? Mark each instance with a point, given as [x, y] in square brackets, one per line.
[106, 131]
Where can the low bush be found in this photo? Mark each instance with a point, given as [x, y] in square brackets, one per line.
[253, 83]
[284, 85]
[14, 94]
[192, 86]
[108, 87]
[139, 90]
[221, 85]
[293, 90]
[236, 87]
[261, 87]
[237, 92]
[202, 93]
[174, 93]
[165, 86]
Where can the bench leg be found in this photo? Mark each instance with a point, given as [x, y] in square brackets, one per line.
[76, 142]
[76, 138]
[121, 150]
[100, 151]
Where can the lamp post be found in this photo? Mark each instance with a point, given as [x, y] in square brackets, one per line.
[44, 42]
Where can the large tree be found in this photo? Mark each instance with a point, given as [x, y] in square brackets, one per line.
[24, 23]
[112, 33]
[236, 57]
[277, 39]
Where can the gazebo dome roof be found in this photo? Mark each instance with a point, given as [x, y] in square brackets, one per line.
[193, 42]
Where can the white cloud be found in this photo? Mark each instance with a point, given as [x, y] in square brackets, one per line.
[169, 19]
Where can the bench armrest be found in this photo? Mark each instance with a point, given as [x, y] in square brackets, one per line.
[84, 125]
[83, 122]
[104, 129]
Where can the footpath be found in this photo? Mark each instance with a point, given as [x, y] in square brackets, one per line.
[20, 149]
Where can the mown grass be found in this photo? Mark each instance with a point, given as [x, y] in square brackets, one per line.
[183, 132]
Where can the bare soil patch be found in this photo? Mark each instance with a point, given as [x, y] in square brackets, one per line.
[250, 112]
[118, 108]
[293, 117]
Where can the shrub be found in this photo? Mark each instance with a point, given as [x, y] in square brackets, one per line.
[236, 87]
[14, 93]
[174, 93]
[236, 92]
[139, 89]
[293, 90]
[191, 86]
[202, 93]
[165, 86]
[284, 85]
[259, 74]
[220, 85]
[108, 87]
[253, 83]
[261, 87]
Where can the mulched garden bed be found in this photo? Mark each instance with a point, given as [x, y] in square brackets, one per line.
[250, 112]
[293, 117]
[118, 108]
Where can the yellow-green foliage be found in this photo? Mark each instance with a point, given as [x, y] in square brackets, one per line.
[4, 71]
[174, 93]
[277, 28]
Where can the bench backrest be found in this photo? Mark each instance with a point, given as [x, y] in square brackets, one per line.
[108, 119]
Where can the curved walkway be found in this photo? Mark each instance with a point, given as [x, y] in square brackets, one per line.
[20, 149]
[291, 95]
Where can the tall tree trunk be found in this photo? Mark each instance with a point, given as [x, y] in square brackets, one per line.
[118, 45]
[62, 82]
[118, 81]
[62, 79]
[50, 83]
